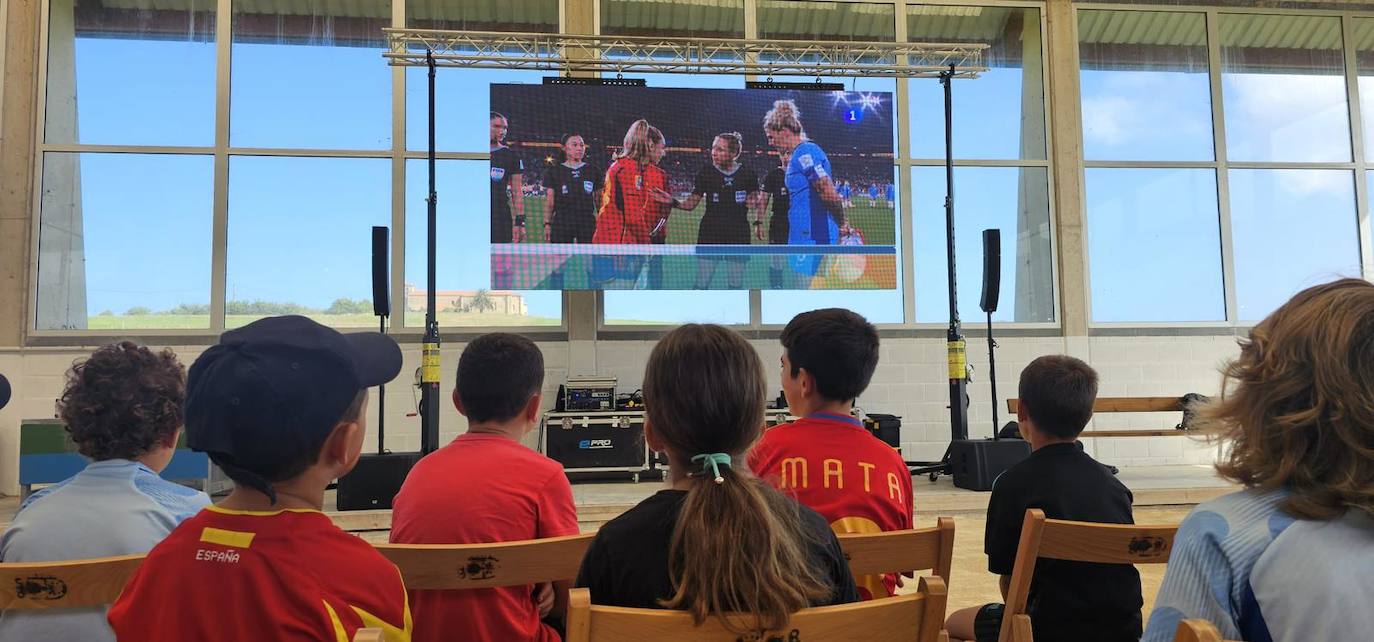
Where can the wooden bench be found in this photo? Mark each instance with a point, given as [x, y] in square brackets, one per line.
[1129, 404]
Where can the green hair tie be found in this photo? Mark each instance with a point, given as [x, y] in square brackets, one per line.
[713, 461]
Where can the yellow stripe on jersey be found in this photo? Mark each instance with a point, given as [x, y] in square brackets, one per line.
[340, 633]
[258, 513]
[237, 539]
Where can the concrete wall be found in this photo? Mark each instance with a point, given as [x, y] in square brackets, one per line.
[909, 382]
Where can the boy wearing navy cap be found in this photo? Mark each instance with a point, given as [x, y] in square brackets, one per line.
[279, 405]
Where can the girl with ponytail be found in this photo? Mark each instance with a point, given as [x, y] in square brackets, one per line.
[718, 540]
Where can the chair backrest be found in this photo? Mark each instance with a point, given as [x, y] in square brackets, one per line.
[466, 566]
[1197, 631]
[918, 616]
[1082, 542]
[902, 551]
[70, 584]
[368, 635]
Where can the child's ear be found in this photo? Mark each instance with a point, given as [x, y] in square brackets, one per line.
[532, 407]
[458, 403]
[651, 437]
[343, 447]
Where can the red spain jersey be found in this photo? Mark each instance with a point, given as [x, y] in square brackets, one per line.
[628, 213]
[831, 464]
[287, 575]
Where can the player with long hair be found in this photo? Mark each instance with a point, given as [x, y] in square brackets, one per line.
[634, 203]
[731, 190]
[815, 210]
[507, 186]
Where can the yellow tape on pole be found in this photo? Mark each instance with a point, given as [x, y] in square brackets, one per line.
[429, 364]
[958, 359]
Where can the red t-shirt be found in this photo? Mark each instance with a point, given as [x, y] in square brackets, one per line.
[476, 490]
[831, 464]
[629, 213]
[286, 575]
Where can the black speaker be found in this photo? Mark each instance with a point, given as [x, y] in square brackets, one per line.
[374, 482]
[381, 275]
[976, 463]
[992, 269]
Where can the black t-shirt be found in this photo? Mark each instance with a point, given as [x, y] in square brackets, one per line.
[505, 163]
[775, 183]
[727, 195]
[1069, 601]
[627, 563]
[573, 188]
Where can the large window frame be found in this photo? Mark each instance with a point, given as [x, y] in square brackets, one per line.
[222, 151]
[1358, 166]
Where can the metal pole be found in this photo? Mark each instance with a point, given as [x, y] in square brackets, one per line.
[992, 375]
[957, 355]
[429, 363]
[381, 401]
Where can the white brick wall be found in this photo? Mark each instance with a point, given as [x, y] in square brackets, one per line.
[910, 382]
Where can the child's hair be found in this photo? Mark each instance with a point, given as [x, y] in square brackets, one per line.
[497, 375]
[638, 140]
[122, 400]
[1058, 392]
[733, 142]
[1297, 405]
[561, 156]
[784, 116]
[272, 472]
[837, 346]
[738, 546]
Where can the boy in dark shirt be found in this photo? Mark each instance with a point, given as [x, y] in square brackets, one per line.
[1068, 601]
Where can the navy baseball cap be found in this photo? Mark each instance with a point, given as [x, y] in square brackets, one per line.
[270, 392]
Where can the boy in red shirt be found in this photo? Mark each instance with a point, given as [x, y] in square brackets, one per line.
[279, 405]
[826, 459]
[486, 487]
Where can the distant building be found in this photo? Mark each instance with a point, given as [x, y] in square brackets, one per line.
[502, 302]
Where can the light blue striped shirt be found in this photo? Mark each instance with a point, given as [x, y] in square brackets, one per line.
[1261, 575]
[113, 507]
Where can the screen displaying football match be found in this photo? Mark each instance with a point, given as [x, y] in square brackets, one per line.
[642, 188]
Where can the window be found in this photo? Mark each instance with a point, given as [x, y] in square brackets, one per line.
[124, 242]
[300, 237]
[313, 79]
[1013, 200]
[462, 273]
[1283, 85]
[717, 19]
[1292, 228]
[137, 73]
[805, 20]
[1154, 245]
[999, 115]
[1140, 70]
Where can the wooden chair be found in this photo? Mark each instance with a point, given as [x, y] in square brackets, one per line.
[1075, 541]
[467, 566]
[69, 584]
[368, 635]
[918, 617]
[1198, 631]
[902, 551]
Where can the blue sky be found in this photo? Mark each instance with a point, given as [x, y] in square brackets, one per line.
[298, 226]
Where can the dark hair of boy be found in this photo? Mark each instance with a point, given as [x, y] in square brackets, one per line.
[838, 347]
[123, 400]
[497, 375]
[1058, 392]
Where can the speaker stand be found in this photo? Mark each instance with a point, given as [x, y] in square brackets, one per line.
[992, 374]
[381, 400]
[955, 344]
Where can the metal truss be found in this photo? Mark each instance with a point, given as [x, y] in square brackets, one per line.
[624, 54]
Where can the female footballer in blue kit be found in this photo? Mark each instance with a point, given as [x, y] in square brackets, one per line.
[815, 211]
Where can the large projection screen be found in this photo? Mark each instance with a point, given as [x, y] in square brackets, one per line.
[676, 189]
